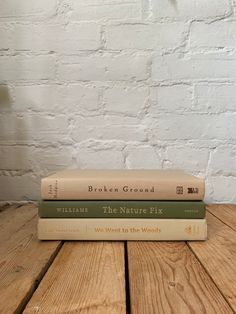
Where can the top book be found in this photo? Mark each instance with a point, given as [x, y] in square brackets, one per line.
[122, 184]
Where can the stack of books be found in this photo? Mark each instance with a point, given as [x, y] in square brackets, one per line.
[122, 205]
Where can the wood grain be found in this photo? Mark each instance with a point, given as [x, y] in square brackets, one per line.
[23, 259]
[167, 278]
[89, 277]
[14, 218]
[86, 277]
[225, 212]
[218, 256]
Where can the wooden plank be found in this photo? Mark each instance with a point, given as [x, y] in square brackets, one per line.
[23, 259]
[86, 277]
[14, 218]
[165, 277]
[218, 256]
[225, 212]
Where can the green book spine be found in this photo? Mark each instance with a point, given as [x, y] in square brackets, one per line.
[122, 209]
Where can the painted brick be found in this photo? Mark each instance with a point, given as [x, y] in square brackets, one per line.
[180, 100]
[106, 10]
[30, 128]
[141, 36]
[126, 100]
[143, 156]
[185, 9]
[79, 98]
[82, 36]
[28, 158]
[56, 37]
[117, 84]
[106, 67]
[215, 98]
[27, 9]
[197, 66]
[184, 157]
[55, 98]
[223, 189]
[53, 159]
[195, 127]
[16, 157]
[36, 98]
[19, 188]
[27, 68]
[223, 161]
[5, 33]
[219, 34]
[108, 128]
[102, 159]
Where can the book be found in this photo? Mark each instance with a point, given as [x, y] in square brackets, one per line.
[121, 229]
[122, 209]
[122, 185]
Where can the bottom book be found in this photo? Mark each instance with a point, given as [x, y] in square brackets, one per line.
[122, 229]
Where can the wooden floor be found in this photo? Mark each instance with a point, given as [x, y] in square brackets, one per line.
[116, 277]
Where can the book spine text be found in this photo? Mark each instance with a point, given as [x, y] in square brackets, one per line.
[122, 229]
[122, 209]
[81, 189]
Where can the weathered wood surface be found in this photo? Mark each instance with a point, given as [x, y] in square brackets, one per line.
[23, 259]
[86, 277]
[90, 277]
[218, 257]
[167, 278]
[226, 213]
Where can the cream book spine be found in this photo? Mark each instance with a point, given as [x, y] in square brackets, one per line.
[122, 185]
[122, 229]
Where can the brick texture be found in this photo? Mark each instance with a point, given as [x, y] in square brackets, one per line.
[117, 84]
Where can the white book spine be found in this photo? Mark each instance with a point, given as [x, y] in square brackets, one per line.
[122, 229]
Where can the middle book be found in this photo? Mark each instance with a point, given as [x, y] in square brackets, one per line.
[122, 209]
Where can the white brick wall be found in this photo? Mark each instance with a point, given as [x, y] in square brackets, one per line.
[126, 100]
[117, 84]
[185, 9]
[200, 66]
[104, 67]
[24, 67]
[35, 10]
[54, 37]
[156, 36]
[105, 10]
[220, 34]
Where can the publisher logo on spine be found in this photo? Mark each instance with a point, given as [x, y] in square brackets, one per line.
[179, 190]
[192, 190]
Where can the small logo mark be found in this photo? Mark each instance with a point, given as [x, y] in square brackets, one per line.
[192, 190]
[188, 230]
[179, 190]
[192, 230]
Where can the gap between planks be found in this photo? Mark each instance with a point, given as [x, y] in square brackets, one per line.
[218, 254]
[218, 226]
[127, 283]
[23, 259]
[85, 277]
[217, 283]
[226, 213]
